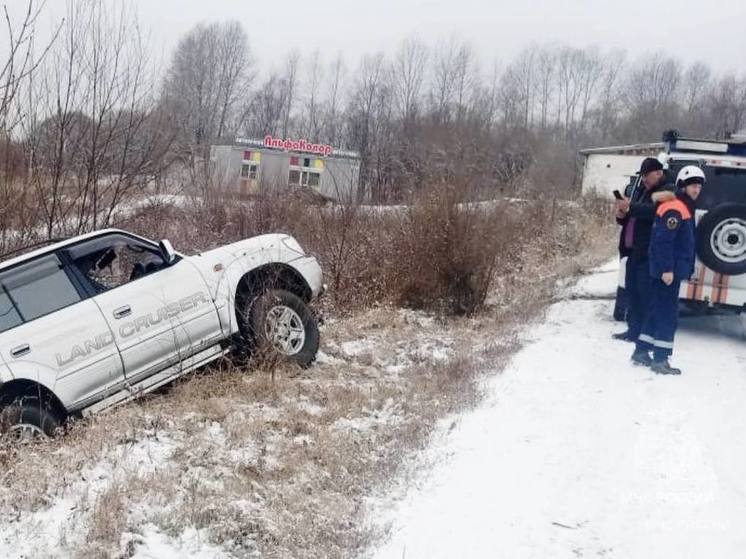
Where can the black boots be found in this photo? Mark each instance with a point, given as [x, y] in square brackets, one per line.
[664, 368]
[642, 357]
[623, 336]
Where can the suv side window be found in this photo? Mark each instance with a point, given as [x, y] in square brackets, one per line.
[114, 260]
[32, 290]
[9, 317]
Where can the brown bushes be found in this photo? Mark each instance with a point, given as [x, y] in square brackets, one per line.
[449, 252]
[436, 253]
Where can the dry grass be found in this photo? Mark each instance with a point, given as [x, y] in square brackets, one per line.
[280, 462]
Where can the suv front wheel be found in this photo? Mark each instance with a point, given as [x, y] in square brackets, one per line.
[281, 322]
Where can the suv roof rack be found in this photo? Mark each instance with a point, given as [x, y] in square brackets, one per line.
[674, 142]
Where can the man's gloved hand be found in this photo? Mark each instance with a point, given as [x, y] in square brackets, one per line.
[667, 278]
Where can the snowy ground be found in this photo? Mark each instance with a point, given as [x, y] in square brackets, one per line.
[576, 453]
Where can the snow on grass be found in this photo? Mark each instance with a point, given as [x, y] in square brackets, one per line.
[191, 544]
[389, 414]
[230, 462]
[36, 533]
[355, 348]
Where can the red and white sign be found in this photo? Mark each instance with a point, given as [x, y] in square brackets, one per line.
[297, 145]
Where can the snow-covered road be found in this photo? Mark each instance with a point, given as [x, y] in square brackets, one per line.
[576, 453]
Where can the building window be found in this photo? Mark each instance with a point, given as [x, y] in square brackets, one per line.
[248, 171]
[295, 160]
[304, 178]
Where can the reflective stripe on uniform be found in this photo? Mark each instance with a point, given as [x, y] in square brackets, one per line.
[655, 343]
[645, 338]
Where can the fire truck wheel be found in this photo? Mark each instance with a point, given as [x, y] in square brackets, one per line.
[721, 239]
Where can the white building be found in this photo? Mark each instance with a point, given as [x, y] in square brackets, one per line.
[249, 166]
[608, 169]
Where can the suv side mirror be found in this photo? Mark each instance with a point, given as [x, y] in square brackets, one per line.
[167, 251]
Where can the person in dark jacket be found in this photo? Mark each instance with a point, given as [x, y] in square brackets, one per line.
[636, 216]
[671, 261]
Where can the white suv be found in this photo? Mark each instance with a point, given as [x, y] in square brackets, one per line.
[98, 319]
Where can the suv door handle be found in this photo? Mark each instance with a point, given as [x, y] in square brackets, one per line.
[121, 312]
[20, 350]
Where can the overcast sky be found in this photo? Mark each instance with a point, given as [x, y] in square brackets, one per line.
[711, 31]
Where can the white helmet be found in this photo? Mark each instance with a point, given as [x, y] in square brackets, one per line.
[688, 173]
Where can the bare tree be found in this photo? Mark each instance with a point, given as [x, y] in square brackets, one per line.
[651, 95]
[312, 120]
[17, 213]
[608, 113]
[443, 85]
[209, 75]
[290, 80]
[407, 77]
[545, 82]
[522, 73]
[465, 78]
[267, 107]
[365, 96]
[90, 131]
[334, 99]
[728, 106]
[695, 89]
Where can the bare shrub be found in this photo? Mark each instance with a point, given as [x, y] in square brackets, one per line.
[448, 253]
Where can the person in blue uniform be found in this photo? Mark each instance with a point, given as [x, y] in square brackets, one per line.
[671, 257]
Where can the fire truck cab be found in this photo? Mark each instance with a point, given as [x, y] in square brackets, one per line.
[719, 279]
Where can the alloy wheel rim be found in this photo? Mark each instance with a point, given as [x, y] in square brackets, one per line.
[285, 331]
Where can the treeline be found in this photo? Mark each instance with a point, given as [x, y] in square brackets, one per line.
[88, 118]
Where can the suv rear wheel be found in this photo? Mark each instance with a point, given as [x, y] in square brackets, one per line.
[721, 239]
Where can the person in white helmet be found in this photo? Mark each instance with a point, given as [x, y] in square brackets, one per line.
[671, 261]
